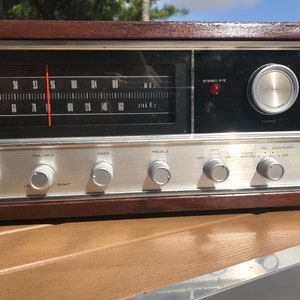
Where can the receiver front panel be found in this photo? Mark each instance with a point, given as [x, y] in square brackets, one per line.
[111, 119]
[130, 161]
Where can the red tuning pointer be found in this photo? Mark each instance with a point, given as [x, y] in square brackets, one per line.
[48, 98]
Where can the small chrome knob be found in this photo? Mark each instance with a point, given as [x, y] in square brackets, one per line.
[270, 168]
[159, 171]
[42, 177]
[216, 170]
[273, 89]
[102, 173]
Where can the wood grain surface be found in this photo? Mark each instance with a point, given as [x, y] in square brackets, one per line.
[97, 206]
[116, 259]
[10, 29]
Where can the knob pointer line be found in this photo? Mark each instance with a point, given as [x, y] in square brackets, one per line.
[48, 97]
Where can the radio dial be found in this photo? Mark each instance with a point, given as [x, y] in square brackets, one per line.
[102, 173]
[273, 89]
[159, 171]
[270, 168]
[216, 170]
[42, 177]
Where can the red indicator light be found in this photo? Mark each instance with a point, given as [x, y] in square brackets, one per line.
[215, 89]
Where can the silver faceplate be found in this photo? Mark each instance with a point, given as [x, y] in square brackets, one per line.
[74, 158]
[145, 45]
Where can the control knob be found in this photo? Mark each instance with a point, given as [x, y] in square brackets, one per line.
[273, 89]
[216, 170]
[102, 173]
[159, 172]
[270, 168]
[42, 177]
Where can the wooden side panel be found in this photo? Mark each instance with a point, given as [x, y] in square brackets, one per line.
[146, 205]
[147, 30]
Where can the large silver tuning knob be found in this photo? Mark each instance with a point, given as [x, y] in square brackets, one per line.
[42, 177]
[159, 171]
[273, 89]
[216, 170]
[102, 173]
[270, 168]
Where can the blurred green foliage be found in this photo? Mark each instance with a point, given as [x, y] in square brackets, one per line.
[123, 10]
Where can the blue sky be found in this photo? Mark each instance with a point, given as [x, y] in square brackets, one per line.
[238, 10]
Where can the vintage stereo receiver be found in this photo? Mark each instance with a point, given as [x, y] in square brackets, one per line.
[114, 118]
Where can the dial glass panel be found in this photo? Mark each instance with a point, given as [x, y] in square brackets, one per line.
[51, 89]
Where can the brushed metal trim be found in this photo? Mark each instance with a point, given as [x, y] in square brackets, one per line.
[155, 139]
[145, 45]
[73, 159]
